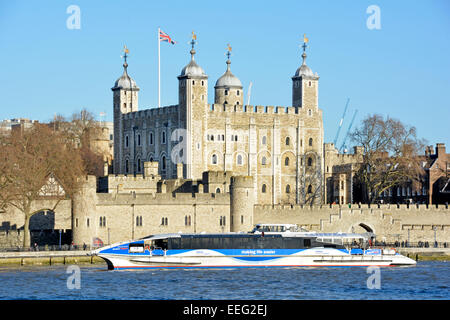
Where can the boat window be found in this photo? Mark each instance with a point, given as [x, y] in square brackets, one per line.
[136, 247]
[161, 243]
[307, 243]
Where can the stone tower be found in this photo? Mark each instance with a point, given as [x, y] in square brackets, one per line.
[83, 212]
[305, 86]
[125, 100]
[228, 88]
[242, 198]
[193, 105]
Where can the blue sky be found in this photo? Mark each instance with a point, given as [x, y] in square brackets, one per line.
[401, 70]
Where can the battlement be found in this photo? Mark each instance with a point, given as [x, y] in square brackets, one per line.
[253, 109]
[337, 207]
[153, 112]
[216, 176]
[125, 178]
[171, 198]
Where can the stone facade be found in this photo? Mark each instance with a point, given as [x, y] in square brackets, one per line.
[280, 147]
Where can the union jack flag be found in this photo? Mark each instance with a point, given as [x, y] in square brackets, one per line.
[165, 37]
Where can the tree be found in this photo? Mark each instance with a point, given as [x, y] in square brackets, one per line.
[29, 158]
[311, 180]
[390, 156]
[81, 129]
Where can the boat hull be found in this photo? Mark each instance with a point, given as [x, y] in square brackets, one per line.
[215, 259]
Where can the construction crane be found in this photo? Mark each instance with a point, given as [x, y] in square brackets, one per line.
[343, 146]
[342, 120]
[248, 93]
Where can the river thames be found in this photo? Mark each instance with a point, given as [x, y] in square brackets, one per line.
[428, 280]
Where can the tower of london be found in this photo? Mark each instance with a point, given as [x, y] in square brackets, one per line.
[280, 147]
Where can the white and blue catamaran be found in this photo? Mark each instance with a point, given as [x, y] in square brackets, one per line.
[268, 245]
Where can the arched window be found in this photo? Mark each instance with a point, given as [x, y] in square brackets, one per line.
[310, 142]
[218, 190]
[237, 92]
[139, 139]
[264, 140]
[163, 163]
[239, 159]
[151, 138]
[126, 141]
[138, 165]
[310, 162]
[264, 188]
[263, 161]
[214, 159]
[226, 92]
[286, 161]
[163, 137]
[127, 168]
[288, 189]
[309, 189]
[288, 141]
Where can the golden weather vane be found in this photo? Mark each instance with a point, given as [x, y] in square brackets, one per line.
[228, 51]
[125, 53]
[305, 41]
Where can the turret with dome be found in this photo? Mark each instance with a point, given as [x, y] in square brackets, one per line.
[304, 83]
[228, 88]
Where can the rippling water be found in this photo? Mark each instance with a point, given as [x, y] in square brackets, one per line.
[426, 280]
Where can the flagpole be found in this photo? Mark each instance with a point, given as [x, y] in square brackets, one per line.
[159, 72]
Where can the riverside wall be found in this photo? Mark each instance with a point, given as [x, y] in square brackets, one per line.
[390, 223]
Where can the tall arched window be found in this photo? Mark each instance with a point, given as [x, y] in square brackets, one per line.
[138, 165]
[214, 159]
[163, 163]
[309, 189]
[263, 161]
[126, 141]
[288, 189]
[310, 142]
[139, 140]
[264, 140]
[288, 141]
[286, 161]
[239, 159]
[163, 137]
[310, 162]
[127, 168]
[264, 188]
[151, 138]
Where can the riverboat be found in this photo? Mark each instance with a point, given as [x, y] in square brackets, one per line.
[268, 245]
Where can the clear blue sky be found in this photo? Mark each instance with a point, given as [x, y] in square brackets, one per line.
[401, 70]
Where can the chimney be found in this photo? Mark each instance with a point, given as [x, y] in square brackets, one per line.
[440, 149]
[428, 150]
